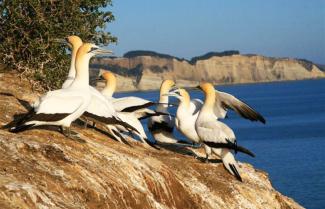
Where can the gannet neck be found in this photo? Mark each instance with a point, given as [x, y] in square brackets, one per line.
[75, 42]
[185, 99]
[110, 86]
[166, 85]
[82, 68]
[210, 96]
[72, 71]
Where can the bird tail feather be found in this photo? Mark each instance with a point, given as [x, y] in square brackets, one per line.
[20, 128]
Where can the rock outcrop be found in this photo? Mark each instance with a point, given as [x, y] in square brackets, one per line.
[146, 72]
[43, 169]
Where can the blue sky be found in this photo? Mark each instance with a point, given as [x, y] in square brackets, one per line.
[187, 28]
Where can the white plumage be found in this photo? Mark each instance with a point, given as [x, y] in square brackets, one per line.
[129, 110]
[161, 127]
[136, 105]
[62, 107]
[212, 131]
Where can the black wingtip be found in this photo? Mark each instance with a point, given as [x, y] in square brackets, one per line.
[235, 171]
[185, 142]
[262, 119]
[244, 150]
[230, 145]
[20, 128]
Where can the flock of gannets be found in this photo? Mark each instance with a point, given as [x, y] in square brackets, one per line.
[195, 119]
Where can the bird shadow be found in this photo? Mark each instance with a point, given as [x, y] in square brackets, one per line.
[24, 103]
[184, 150]
[177, 148]
[74, 135]
[203, 160]
[82, 124]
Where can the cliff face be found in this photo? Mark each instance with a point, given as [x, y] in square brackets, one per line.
[146, 72]
[44, 169]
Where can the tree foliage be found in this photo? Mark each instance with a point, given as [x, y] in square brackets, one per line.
[28, 29]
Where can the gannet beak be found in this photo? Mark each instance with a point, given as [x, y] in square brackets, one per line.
[173, 88]
[102, 51]
[171, 94]
[100, 78]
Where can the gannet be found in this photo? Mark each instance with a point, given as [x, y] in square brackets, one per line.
[62, 107]
[214, 133]
[186, 116]
[162, 126]
[136, 105]
[74, 43]
[129, 117]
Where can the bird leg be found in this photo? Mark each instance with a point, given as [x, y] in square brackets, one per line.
[66, 131]
[85, 123]
[208, 152]
[206, 160]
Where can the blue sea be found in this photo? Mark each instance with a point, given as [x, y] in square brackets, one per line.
[291, 145]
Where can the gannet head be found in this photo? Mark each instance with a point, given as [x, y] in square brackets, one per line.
[180, 94]
[166, 85]
[109, 76]
[209, 92]
[110, 86]
[206, 87]
[184, 94]
[88, 50]
[74, 41]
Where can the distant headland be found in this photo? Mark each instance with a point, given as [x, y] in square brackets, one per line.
[144, 70]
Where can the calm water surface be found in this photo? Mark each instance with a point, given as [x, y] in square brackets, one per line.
[291, 146]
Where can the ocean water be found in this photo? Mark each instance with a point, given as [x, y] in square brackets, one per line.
[291, 145]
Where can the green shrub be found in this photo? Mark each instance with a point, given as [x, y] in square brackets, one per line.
[28, 29]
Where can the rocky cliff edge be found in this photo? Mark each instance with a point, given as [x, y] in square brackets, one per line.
[44, 169]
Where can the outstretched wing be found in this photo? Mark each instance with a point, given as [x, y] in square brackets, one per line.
[225, 101]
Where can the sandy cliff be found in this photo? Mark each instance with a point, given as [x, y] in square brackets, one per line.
[146, 72]
[44, 169]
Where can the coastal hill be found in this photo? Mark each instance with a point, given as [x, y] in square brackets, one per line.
[43, 169]
[144, 70]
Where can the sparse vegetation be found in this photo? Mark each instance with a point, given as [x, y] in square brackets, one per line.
[137, 53]
[213, 54]
[28, 29]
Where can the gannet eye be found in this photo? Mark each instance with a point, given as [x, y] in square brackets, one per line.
[93, 49]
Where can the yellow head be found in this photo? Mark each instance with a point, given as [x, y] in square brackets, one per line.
[109, 76]
[209, 92]
[74, 41]
[206, 87]
[166, 85]
[184, 94]
[110, 86]
[84, 49]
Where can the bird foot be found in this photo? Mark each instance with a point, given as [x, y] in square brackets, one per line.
[72, 135]
[206, 160]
